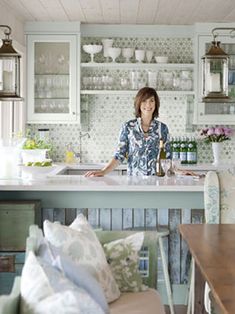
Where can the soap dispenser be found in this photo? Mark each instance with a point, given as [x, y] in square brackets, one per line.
[69, 155]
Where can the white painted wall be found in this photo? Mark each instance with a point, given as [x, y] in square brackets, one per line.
[17, 26]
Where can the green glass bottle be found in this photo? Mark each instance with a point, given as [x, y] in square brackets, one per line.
[192, 151]
[183, 151]
[161, 155]
[175, 152]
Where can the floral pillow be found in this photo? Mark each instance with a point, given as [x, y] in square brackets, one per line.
[80, 242]
[123, 258]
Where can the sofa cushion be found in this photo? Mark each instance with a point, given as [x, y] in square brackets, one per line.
[147, 302]
[9, 304]
[39, 284]
[123, 258]
[74, 272]
[80, 242]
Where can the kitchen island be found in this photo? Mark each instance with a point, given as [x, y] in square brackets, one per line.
[120, 202]
[108, 191]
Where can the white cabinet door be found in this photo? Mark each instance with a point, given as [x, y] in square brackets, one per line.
[217, 111]
[53, 78]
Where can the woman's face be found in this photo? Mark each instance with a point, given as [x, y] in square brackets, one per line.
[147, 107]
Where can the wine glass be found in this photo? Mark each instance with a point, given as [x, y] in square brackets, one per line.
[166, 165]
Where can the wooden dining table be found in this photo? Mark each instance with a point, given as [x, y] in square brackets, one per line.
[213, 248]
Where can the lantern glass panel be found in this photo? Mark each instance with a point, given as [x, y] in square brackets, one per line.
[215, 80]
[9, 76]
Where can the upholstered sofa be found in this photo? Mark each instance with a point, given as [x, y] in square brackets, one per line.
[146, 301]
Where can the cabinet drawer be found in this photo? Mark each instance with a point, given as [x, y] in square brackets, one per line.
[15, 219]
[11, 264]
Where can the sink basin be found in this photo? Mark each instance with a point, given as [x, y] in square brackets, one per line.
[73, 172]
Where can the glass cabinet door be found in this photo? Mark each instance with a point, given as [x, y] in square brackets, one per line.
[52, 84]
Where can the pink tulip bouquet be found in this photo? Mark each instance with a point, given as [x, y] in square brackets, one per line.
[216, 134]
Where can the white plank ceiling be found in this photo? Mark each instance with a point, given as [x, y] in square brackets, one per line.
[171, 12]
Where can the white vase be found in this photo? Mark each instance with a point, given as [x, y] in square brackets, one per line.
[216, 149]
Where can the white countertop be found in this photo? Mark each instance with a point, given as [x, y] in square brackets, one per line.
[107, 183]
[54, 182]
[196, 167]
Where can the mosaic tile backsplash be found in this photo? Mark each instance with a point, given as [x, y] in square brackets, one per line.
[103, 115]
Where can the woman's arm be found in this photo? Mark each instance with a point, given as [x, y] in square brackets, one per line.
[108, 168]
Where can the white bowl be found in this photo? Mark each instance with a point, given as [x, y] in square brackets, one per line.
[35, 172]
[114, 52]
[161, 59]
[92, 49]
[32, 155]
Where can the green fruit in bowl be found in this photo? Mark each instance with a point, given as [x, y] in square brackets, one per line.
[46, 163]
[37, 164]
[28, 164]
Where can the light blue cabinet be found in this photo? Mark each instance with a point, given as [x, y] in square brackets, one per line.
[53, 72]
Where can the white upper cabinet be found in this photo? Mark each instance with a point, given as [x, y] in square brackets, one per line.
[218, 111]
[53, 75]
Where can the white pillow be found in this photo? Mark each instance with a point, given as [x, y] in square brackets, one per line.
[80, 242]
[45, 290]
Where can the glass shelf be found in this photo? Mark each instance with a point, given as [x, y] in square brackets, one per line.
[133, 92]
[138, 65]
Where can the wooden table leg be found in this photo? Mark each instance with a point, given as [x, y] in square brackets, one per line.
[199, 292]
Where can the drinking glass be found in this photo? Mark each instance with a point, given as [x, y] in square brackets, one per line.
[166, 165]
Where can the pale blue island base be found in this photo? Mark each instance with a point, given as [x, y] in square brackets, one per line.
[82, 199]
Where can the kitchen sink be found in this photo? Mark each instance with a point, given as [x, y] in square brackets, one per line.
[73, 171]
[80, 170]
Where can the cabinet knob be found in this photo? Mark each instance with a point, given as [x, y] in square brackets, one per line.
[74, 113]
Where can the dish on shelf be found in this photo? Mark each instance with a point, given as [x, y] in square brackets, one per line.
[127, 53]
[92, 49]
[139, 55]
[114, 52]
[36, 171]
[161, 59]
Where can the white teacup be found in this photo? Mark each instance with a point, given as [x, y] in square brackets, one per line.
[139, 55]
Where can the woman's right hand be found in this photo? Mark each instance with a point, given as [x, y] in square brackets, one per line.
[97, 173]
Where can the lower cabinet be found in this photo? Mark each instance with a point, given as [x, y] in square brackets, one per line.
[15, 219]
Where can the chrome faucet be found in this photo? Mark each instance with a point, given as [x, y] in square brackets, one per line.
[81, 135]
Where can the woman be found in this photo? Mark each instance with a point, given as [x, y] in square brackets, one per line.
[139, 138]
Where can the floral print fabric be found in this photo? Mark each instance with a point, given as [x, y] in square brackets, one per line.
[219, 193]
[141, 152]
[80, 242]
[123, 259]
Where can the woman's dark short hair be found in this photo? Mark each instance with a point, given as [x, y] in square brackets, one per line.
[144, 94]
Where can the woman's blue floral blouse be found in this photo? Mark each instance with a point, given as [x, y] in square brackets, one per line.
[141, 151]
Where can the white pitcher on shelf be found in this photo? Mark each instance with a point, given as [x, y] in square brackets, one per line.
[107, 42]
